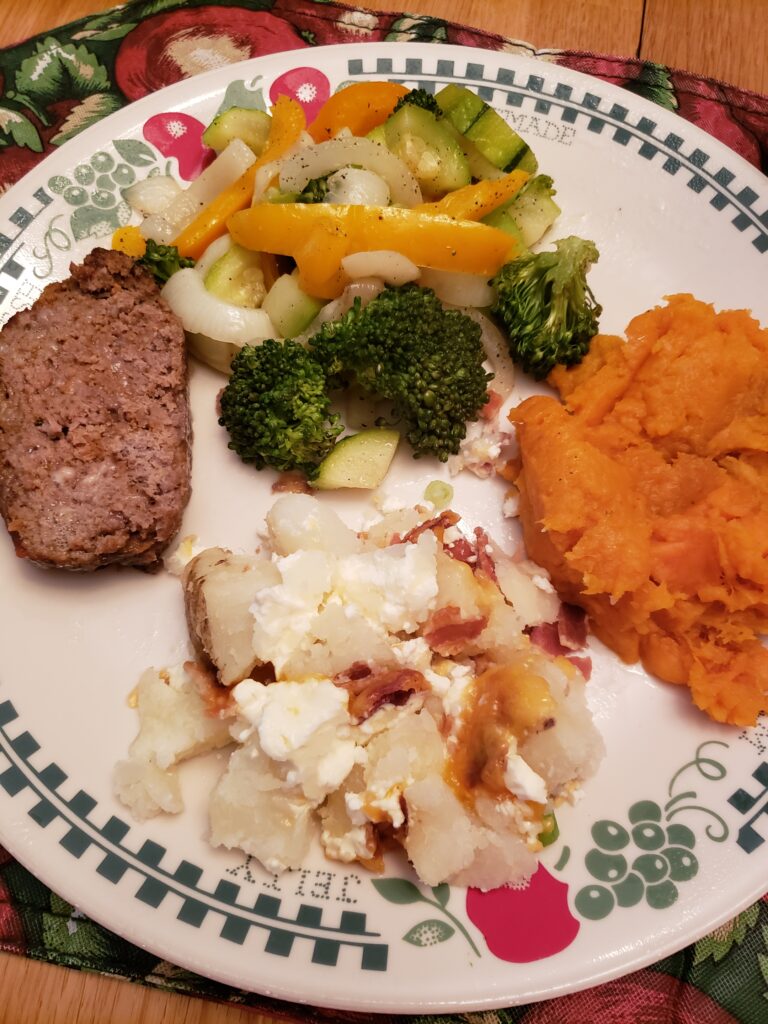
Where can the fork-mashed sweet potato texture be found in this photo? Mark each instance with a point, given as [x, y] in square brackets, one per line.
[646, 496]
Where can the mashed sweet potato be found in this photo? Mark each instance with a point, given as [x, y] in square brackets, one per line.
[646, 497]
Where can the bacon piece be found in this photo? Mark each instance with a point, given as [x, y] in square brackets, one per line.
[449, 634]
[292, 482]
[474, 554]
[485, 563]
[462, 550]
[584, 665]
[218, 698]
[492, 406]
[367, 693]
[572, 627]
[547, 638]
[438, 524]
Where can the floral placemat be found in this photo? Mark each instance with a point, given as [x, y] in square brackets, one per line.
[55, 85]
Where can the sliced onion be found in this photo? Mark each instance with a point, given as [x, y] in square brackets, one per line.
[152, 194]
[327, 157]
[267, 173]
[181, 211]
[264, 178]
[215, 329]
[392, 267]
[355, 186]
[214, 252]
[497, 351]
[457, 288]
[365, 290]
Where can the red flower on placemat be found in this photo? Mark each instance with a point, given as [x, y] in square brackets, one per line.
[647, 996]
[177, 44]
[323, 24]
[521, 925]
[705, 103]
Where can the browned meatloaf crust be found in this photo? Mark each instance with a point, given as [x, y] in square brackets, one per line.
[94, 420]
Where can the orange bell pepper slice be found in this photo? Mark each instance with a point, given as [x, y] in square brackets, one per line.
[288, 122]
[473, 202]
[319, 235]
[359, 107]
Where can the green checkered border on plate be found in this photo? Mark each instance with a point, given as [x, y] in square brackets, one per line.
[115, 860]
[704, 175]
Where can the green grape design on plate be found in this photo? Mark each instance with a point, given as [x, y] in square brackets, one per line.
[94, 192]
[647, 858]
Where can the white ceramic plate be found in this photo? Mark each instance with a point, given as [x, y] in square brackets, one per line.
[671, 210]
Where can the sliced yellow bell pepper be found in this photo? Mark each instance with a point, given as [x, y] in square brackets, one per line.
[319, 235]
[473, 202]
[318, 258]
[130, 241]
[359, 107]
[288, 122]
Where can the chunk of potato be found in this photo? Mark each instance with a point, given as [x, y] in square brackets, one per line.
[219, 589]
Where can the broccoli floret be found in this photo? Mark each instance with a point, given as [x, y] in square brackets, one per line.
[419, 98]
[314, 191]
[276, 408]
[406, 347]
[546, 306]
[163, 260]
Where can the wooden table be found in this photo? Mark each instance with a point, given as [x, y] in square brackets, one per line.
[727, 39]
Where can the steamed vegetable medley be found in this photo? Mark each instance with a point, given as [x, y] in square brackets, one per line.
[386, 248]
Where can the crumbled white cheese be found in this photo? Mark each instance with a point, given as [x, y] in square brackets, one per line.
[304, 724]
[543, 583]
[415, 653]
[387, 501]
[511, 505]
[449, 680]
[480, 450]
[283, 614]
[385, 798]
[356, 844]
[187, 549]
[286, 714]
[395, 586]
[451, 535]
[521, 780]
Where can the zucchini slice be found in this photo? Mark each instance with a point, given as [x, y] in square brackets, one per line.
[429, 149]
[251, 126]
[359, 460]
[485, 129]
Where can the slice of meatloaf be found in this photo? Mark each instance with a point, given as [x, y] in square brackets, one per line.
[94, 420]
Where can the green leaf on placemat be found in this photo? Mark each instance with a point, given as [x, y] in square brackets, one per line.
[19, 129]
[762, 960]
[106, 35]
[91, 110]
[155, 6]
[397, 890]
[719, 943]
[429, 933]
[418, 28]
[55, 70]
[655, 84]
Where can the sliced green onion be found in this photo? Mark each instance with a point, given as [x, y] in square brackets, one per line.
[439, 493]
[550, 831]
